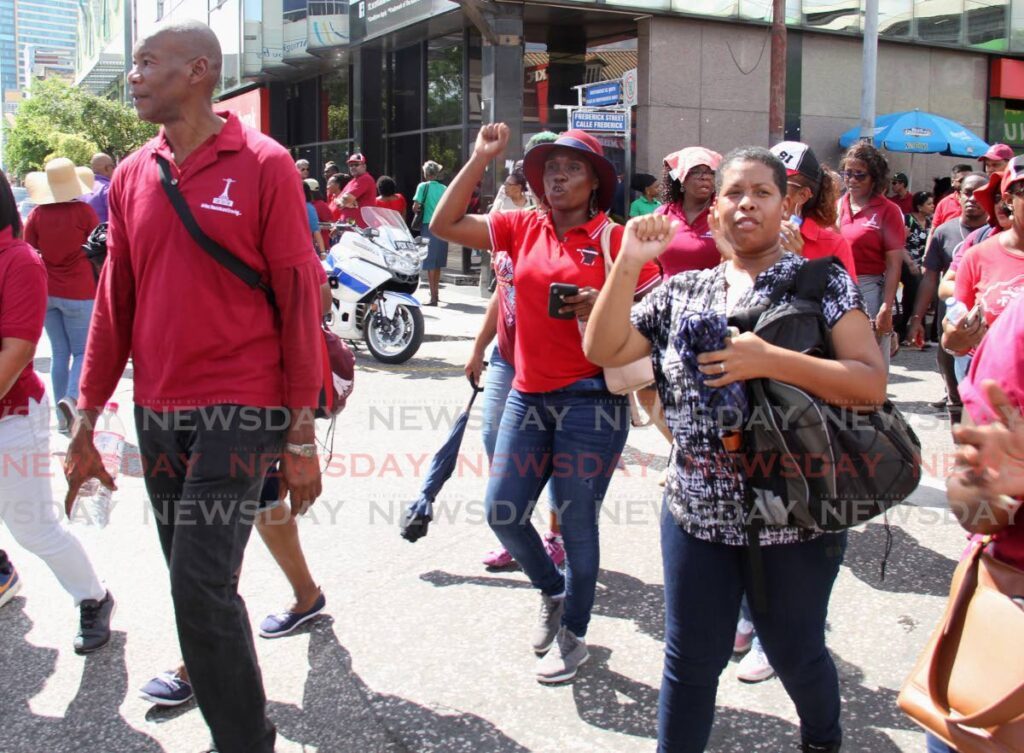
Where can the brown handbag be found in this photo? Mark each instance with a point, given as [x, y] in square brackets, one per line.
[968, 685]
[630, 377]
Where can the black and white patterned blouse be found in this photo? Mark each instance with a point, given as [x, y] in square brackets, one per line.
[703, 491]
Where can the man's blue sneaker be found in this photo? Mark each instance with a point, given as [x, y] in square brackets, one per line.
[10, 584]
[277, 625]
[166, 689]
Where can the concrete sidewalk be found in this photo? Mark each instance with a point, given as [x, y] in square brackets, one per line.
[425, 650]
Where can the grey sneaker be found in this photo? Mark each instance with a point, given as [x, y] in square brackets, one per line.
[94, 626]
[564, 659]
[67, 412]
[548, 622]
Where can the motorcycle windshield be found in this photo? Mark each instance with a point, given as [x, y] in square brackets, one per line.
[379, 217]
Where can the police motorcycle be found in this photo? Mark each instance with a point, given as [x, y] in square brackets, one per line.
[373, 272]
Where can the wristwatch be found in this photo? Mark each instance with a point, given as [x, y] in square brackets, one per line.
[302, 450]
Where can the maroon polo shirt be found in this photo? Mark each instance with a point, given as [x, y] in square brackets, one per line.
[878, 227]
[197, 335]
[692, 247]
[364, 188]
[22, 311]
[58, 231]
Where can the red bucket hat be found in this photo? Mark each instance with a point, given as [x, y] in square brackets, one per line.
[990, 195]
[589, 148]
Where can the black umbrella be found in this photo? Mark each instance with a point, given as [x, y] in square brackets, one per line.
[421, 512]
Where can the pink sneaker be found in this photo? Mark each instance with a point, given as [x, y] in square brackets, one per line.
[498, 558]
[553, 546]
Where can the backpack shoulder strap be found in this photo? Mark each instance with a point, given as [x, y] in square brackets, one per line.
[812, 278]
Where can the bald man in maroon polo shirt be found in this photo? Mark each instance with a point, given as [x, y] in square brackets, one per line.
[223, 382]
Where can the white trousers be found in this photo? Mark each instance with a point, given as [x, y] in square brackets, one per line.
[28, 508]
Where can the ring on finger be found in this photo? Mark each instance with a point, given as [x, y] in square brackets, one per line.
[721, 367]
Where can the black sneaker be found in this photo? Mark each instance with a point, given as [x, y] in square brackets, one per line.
[94, 625]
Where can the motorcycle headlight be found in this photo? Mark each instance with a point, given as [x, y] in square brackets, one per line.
[401, 263]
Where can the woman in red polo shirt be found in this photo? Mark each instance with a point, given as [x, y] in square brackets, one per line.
[57, 228]
[560, 422]
[27, 506]
[813, 192]
[874, 228]
[688, 188]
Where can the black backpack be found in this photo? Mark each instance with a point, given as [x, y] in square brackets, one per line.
[95, 248]
[812, 464]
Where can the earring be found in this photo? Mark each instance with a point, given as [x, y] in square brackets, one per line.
[593, 204]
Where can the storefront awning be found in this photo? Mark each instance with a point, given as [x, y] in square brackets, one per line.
[107, 69]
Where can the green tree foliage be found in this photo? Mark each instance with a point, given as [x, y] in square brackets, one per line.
[57, 116]
[76, 148]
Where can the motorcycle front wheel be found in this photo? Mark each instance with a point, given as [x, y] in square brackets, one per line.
[394, 340]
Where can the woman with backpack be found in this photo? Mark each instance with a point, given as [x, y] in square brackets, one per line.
[560, 422]
[428, 194]
[704, 527]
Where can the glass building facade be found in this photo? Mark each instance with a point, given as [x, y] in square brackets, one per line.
[8, 48]
[49, 24]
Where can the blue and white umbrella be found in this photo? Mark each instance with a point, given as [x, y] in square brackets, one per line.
[919, 132]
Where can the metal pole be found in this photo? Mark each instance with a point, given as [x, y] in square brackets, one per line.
[777, 91]
[869, 71]
[628, 177]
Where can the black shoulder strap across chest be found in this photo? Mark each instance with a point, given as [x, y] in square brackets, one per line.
[221, 255]
[808, 283]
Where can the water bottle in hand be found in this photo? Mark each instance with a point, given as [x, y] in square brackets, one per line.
[955, 310]
[94, 499]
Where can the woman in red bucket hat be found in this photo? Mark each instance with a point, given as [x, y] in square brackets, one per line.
[560, 421]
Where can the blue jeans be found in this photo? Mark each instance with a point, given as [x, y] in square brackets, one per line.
[499, 376]
[67, 326]
[704, 583]
[572, 436]
[961, 365]
[935, 745]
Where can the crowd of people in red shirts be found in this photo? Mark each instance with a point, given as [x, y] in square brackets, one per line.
[727, 232]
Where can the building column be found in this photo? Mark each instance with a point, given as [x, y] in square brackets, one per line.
[501, 86]
[367, 113]
[567, 67]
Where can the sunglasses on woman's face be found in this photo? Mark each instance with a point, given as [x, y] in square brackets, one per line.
[855, 174]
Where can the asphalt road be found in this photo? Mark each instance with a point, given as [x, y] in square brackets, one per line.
[423, 649]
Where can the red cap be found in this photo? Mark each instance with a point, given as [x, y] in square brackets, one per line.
[999, 152]
[357, 158]
[1012, 173]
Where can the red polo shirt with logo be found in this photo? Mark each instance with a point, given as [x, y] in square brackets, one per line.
[947, 209]
[693, 246]
[197, 335]
[364, 188]
[22, 311]
[878, 227]
[549, 351]
[822, 241]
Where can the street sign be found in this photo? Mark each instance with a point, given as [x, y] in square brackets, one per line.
[598, 120]
[629, 90]
[602, 95]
